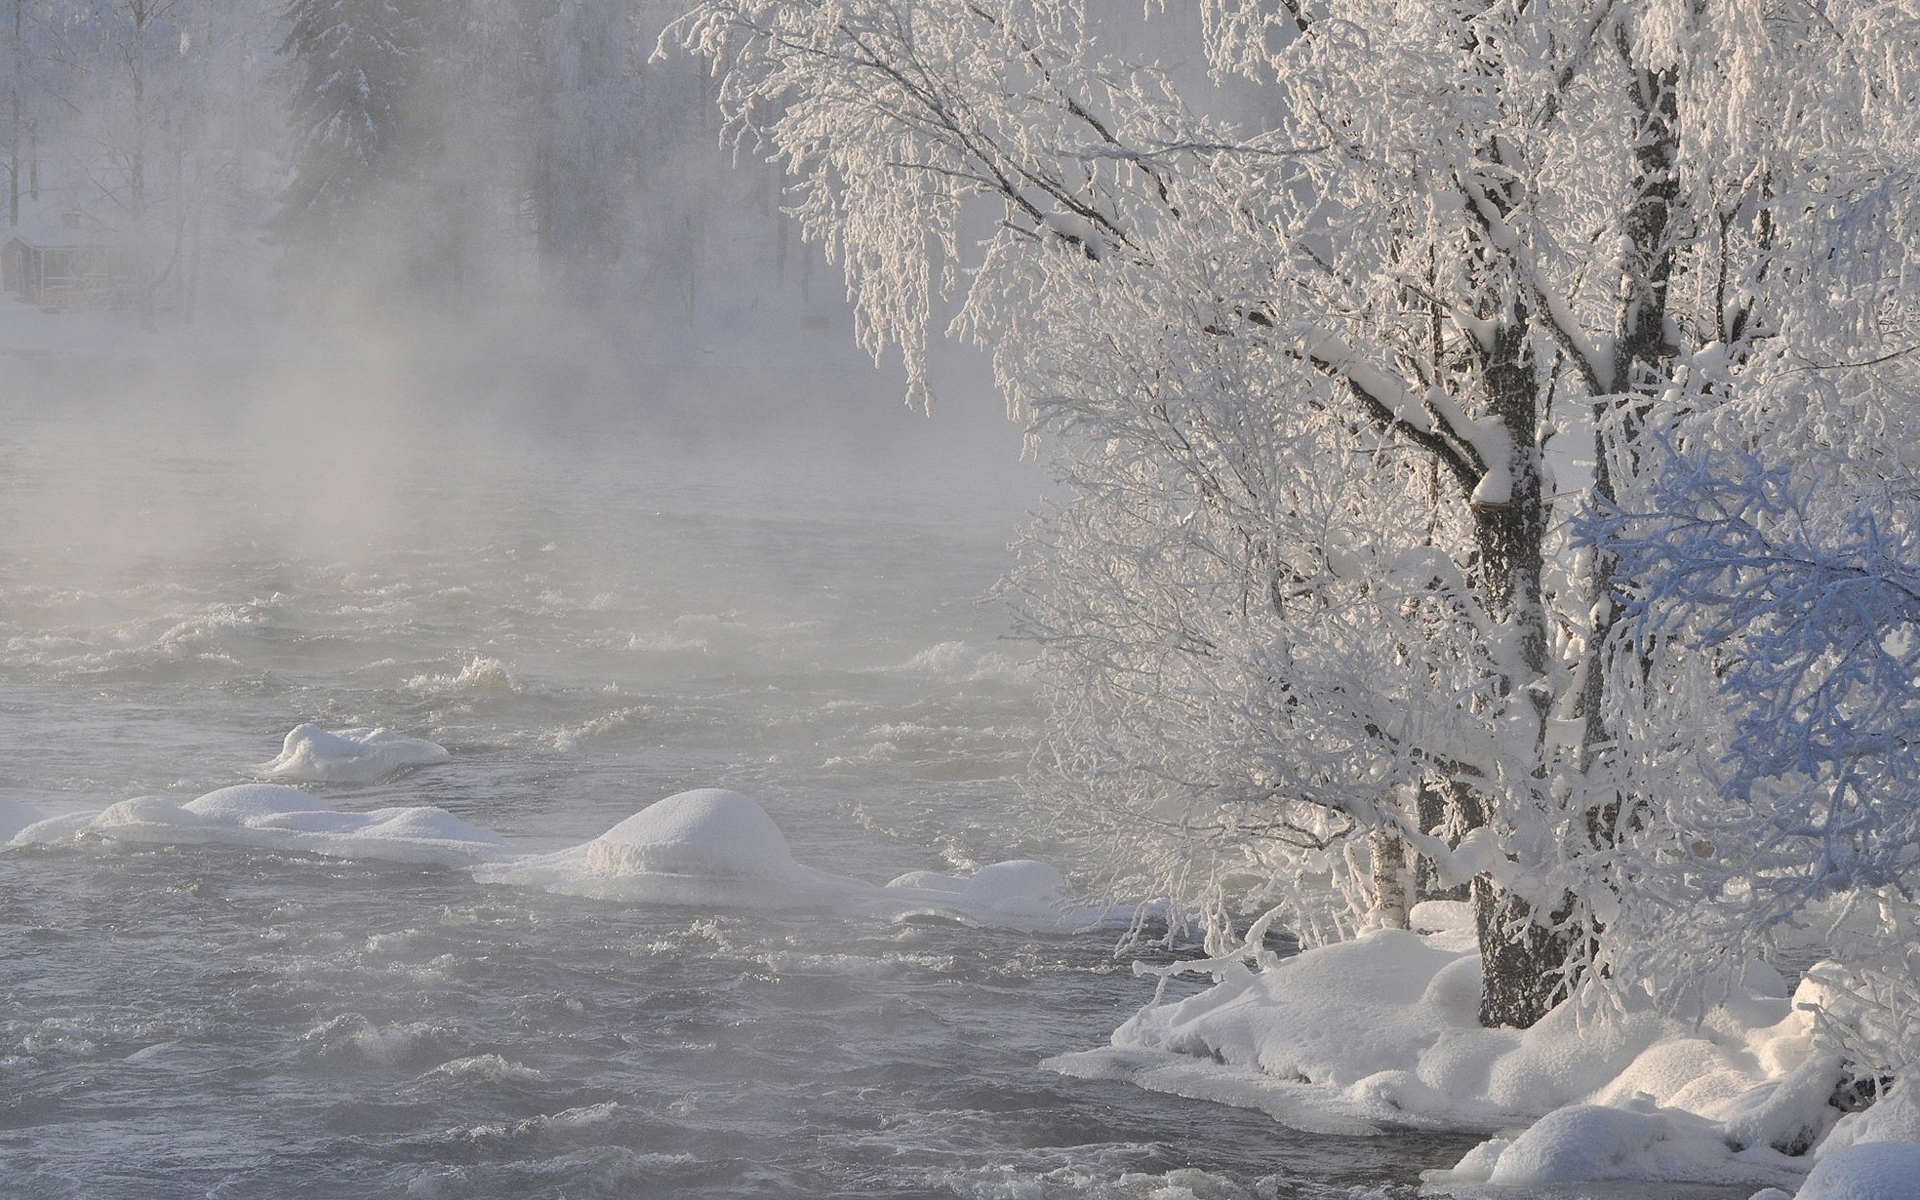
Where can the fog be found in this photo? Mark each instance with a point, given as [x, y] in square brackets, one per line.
[142, 460]
[517, 243]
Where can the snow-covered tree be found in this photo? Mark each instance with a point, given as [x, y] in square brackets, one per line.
[1800, 614]
[1302, 335]
[356, 129]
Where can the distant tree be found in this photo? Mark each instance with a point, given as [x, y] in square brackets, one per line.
[584, 151]
[357, 129]
[138, 113]
[21, 167]
[1302, 370]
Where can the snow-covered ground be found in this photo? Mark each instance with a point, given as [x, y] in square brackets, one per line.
[1383, 1031]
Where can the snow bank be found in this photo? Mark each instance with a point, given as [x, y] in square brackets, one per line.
[1383, 1030]
[276, 817]
[1869, 1171]
[315, 755]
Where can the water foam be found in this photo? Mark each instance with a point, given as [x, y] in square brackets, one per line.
[486, 1068]
[479, 676]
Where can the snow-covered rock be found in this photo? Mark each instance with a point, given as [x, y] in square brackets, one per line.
[276, 817]
[706, 848]
[53, 830]
[1019, 893]
[703, 847]
[1894, 1118]
[705, 832]
[712, 847]
[314, 755]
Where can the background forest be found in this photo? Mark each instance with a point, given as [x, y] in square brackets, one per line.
[215, 155]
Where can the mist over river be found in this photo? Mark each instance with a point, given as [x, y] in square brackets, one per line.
[589, 613]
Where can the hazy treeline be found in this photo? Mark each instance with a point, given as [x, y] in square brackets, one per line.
[398, 150]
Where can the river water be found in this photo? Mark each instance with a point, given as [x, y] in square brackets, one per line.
[589, 614]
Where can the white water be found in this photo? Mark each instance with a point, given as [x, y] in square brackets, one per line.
[587, 623]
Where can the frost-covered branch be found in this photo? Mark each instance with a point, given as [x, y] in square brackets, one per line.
[1814, 619]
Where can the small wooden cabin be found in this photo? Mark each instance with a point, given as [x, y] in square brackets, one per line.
[66, 262]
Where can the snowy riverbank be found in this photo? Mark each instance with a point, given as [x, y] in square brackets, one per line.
[1382, 1031]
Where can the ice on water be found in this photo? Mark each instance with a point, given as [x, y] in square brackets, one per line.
[1017, 894]
[15, 816]
[716, 847]
[1342, 1039]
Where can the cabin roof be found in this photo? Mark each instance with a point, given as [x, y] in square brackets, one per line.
[50, 224]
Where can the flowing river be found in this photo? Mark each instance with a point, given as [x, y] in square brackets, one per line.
[588, 623]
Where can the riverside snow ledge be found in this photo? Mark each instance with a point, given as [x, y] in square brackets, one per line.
[1382, 1031]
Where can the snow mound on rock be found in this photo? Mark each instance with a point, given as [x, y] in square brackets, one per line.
[1020, 892]
[315, 755]
[716, 848]
[708, 831]
[276, 817]
[1584, 1143]
[708, 848]
[53, 830]
[704, 847]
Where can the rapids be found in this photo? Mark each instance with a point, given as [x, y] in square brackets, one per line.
[586, 625]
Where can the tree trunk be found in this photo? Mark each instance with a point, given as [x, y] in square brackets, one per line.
[1639, 370]
[13, 91]
[1441, 808]
[1388, 850]
[1524, 966]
